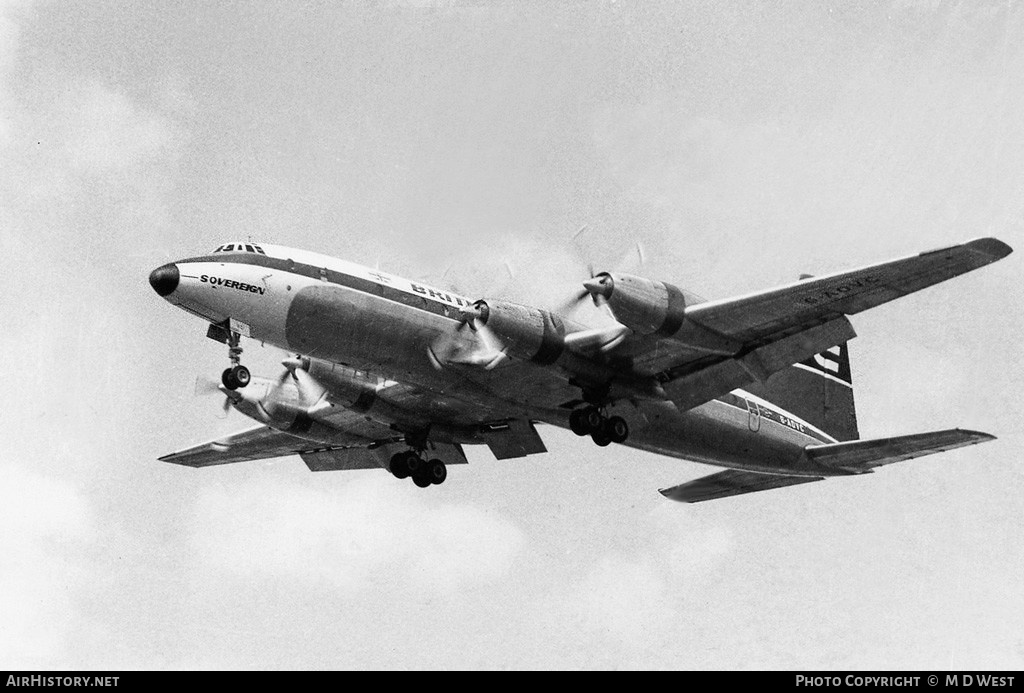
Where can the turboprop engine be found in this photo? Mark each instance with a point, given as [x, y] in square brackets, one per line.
[643, 305]
[491, 330]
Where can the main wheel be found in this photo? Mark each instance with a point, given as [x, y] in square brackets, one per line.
[436, 471]
[412, 462]
[228, 379]
[593, 419]
[421, 480]
[600, 438]
[577, 422]
[398, 466]
[616, 429]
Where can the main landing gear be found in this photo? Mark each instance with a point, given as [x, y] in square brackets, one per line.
[591, 421]
[423, 472]
[237, 376]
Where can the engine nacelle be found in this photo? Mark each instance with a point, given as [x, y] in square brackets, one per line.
[526, 333]
[643, 305]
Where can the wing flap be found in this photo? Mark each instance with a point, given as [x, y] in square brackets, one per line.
[693, 389]
[731, 482]
[859, 456]
[515, 438]
[378, 457]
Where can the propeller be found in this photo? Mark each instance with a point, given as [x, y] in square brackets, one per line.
[205, 385]
[477, 347]
[311, 393]
[599, 285]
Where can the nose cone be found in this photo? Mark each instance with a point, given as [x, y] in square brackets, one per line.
[164, 280]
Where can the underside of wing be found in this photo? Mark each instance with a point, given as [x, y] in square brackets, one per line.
[731, 482]
[259, 443]
[859, 456]
[761, 315]
[730, 343]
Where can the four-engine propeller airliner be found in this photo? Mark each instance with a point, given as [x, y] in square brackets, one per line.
[394, 374]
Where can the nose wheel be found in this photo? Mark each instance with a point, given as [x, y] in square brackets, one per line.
[603, 430]
[237, 376]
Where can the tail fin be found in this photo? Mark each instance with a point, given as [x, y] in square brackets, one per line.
[818, 390]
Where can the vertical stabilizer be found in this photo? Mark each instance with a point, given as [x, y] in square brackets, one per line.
[818, 390]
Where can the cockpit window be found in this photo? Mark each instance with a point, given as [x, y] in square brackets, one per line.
[240, 247]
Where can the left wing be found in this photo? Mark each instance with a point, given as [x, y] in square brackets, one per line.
[726, 344]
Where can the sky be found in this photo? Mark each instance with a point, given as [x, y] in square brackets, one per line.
[499, 148]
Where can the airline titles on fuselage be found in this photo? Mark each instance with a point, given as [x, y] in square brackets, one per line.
[231, 284]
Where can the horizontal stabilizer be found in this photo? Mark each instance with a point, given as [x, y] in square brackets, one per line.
[731, 482]
[859, 456]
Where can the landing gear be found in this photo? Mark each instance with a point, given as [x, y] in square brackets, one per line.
[404, 464]
[424, 473]
[238, 375]
[591, 421]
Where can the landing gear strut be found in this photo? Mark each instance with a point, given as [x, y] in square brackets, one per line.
[423, 472]
[591, 421]
[238, 375]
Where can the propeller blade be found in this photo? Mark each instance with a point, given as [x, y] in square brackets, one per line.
[205, 385]
[570, 303]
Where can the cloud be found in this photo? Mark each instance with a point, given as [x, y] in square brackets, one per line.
[47, 525]
[107, 132]
[633, 602]
[349, 538]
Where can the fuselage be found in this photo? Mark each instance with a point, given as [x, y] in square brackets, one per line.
[363, 328]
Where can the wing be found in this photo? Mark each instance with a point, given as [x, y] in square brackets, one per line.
[261, 442]
[731, 482]
[729, 343]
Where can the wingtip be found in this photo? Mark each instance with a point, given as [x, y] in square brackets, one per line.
[979, 436]
[992, 247]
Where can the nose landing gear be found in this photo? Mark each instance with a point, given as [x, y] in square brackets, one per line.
[237, 376]
[591, 421]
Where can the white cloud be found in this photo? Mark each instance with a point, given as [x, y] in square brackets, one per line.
[348, 538]
[107, 131]
[627, 601]
[46, 525]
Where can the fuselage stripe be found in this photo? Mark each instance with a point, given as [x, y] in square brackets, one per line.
[413, 300]
[777, 415]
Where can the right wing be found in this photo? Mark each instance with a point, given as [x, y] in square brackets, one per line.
[261, 442]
